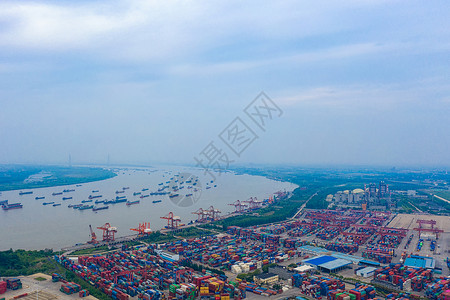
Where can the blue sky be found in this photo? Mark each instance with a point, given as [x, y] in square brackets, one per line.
[359, 82]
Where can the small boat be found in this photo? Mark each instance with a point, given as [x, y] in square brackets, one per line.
[75, 206]
[4, 202]
[48, 203]
[156, 201]
[67, 198]
[57, 204]
[95, 208]
[26, 193]
[79, 185]
[68, 191]
[120, 197]
[188, 195]
[120, 192]
[86, 201]
[136, 193]
[174, 195]
[39, 198]
[133, 202]
[144, 196]
[208, 187]
[144, 190]
[125, 188]
[55, 194]
[93, 197]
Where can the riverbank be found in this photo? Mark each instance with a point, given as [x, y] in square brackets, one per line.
[22, 177]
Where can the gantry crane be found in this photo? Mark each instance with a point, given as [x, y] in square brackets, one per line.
[108, 232]
[213, 213]
[239, 206]
[202, 215]
[253, 203]
[143, 229]
[172, 221]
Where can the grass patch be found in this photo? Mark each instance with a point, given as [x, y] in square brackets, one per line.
[22, 262]
[40, 279]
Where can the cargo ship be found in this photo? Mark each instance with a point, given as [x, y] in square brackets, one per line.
[99, 201]
[120, 197]
[120, 192]
[156, 201]
[133, 202]
[84, 207]
[144, 196]
[120, 200]
[39, 198]
[12, 206]
[75, 206]
[125, 188]
[136, 193]
[188, 195]
[79, 185]
[95, 191]
[93, 197]
[174, 195]
[86, 201]
[57, 204]
[55, 194]
[100, 208]
[67, 198]
[68, 191]
[48, 203]
[26, 193]
[144, 190]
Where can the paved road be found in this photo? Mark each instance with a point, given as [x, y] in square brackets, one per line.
[304, 205]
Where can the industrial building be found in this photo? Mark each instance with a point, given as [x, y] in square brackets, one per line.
[327, 263]
[356, 260]
[366, 271]
[416, 261]
[266, 278]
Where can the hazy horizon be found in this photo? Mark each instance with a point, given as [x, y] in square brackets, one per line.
[359, 83]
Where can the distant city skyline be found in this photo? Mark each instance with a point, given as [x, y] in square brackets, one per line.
[153, 82]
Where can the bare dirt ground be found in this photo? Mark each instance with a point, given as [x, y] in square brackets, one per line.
[409, 221]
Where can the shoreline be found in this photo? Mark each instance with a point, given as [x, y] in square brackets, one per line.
[103, 174]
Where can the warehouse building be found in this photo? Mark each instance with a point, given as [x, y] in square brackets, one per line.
[366, 271]
[266, 278]
[327, 263]
[416, 261]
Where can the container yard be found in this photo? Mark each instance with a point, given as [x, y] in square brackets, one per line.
[387, 262]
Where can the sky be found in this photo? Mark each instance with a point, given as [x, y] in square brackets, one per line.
[356, 82]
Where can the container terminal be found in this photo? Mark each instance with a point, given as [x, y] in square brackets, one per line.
[319, 254]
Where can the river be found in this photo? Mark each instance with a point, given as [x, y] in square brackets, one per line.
[38, 226]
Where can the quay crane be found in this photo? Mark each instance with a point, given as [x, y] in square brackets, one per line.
[172, 221]
[253, 203]
[143, 229]
[239, 206]
[202, 215]
[108, 232]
